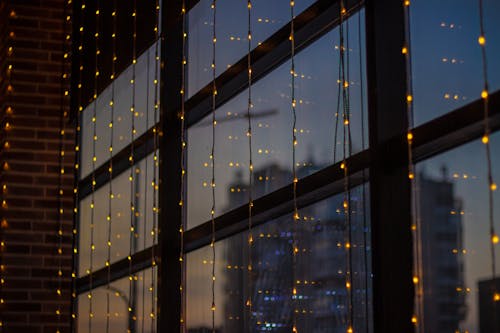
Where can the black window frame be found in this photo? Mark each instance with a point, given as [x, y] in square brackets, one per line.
[384, 164]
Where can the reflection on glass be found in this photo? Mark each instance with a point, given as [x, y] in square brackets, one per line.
[120, 223]
[144, 112]
[232, 31]
[455, 241]
[320, 273]
[317, 92]
[446, 57]
[141, 303]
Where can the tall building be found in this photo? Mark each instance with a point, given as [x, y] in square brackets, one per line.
[321, 302]
[489, 306]
[442, 251]
[36, 173]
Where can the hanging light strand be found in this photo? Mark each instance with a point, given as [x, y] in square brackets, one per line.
[249, 302]
[492, 187]
[347, 151]
[295, 248]
[417, 318]
[62, 136]
[94, 162]
[109, 217]
[212, 156]
[155, 169]
[76, 198]
[183, 163]
[133, 171]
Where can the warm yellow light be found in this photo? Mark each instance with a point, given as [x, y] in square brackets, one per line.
[495, 239]
[481, 40]
[484, 94]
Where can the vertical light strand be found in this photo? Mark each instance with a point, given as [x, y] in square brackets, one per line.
[133, 194]
[363, 195]
[145, 194]
[5, 166]
[76, 197]
[94, 162]
[347, 150]
[109, 217]
[249, 302]
[183, 165]
[154, 184]
[296, 217]
[212, 157]
[62, 128]
[417, 318]
[492, 187]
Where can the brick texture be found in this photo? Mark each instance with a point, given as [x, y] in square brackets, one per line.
[35, 257]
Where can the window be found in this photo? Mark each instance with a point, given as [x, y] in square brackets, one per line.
[428, 274]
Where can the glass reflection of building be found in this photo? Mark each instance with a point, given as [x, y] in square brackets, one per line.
[442, 250]
[320, 268]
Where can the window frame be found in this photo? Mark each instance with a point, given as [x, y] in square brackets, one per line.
[384, 164]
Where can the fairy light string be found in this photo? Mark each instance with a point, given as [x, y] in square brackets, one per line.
[249, 302]
[417, 318]
[7, 126]
[212, 156]
[78, 116]
[183, 144]
[154, 184]
[296, 217]
[109, 217]
[62, 136]
[94, 162]
[133, 171]
[347, 151]
[492, 186]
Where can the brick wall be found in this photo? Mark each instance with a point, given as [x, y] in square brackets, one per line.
[31, 106]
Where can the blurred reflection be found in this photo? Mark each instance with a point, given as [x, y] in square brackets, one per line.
[316, 93]
[144, 106]
[455, 241]
[446, 57]
[120, 223]
[139, 319]
[320, 274]
[232, 30]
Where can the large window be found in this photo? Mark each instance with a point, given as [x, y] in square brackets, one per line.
[376, 251]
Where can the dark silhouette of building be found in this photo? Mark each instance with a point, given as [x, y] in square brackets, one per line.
[321, 301]
[489, 306]
[442, 253]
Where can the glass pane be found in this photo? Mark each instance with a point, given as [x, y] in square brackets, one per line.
[119, 300]
[447, 67]
[232, 31]
[320, 273]
[454, 238]
[317, 96]
[144, 101]
[120, 223]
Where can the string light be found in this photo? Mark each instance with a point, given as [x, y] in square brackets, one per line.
[294, 169]
[212, 157]
[8, 125]
[155, 168]
[75, 252]
[133, 195]
[183, 162]
[414, 220]
[62, 131]
[487, 130]
[109, 217]
[94, 162]
[249, 302]
[347, 151]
